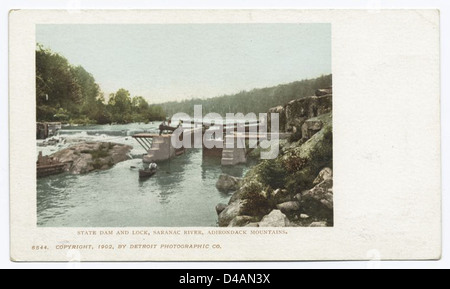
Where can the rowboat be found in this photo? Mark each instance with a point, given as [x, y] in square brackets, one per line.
[49, 170]
[48, 166]
[147, 173]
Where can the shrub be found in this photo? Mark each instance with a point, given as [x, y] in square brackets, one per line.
[294, 163]
[256, 202]
[301, 180]
[272, 173]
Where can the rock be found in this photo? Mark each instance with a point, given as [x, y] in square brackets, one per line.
[318, 201]
[281, 117]
[82, 165]
[289, 207]
[220, 207]
[241, 221]
[275, 219]
[325, 174]
[89, 156]
[299, 110]
[298, 197]
[326, 91]
[303, 158]
[120, 153]
[253, 225]
[280, 196]
[227, 183]
[304, 216]
[318, 224]
[230, 212]
[310, 128]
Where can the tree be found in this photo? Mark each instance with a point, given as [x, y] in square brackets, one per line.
[69, 93]
[120, 106]
[56, 85]
[90, 92]
[256, 100]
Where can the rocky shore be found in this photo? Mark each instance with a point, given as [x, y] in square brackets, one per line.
[295, 189]
[92, 156]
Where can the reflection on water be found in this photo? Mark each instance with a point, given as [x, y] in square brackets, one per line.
[182, 193]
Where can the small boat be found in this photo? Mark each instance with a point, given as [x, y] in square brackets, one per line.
[147, 173]
[50, 170]
[47, 166]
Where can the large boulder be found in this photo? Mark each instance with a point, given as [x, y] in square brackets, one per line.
[289, 208]
[220, 207]
[311, 127]
[299, 110]
[227, 183]
[90, 156]
[275, 219]
[318, 201]
[82, 165]
[325, 174]
[303, 161]
[119, 153]
[230, 212]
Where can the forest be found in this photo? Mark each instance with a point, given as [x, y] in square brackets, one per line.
[69, 94]
[256, 101]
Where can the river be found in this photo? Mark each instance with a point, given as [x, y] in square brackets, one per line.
[181, 194]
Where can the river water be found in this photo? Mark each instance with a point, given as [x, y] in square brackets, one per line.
[181, 194]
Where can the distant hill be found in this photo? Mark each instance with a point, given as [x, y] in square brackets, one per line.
[257, 100]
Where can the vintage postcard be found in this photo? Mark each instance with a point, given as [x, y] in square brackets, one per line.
[234, 135]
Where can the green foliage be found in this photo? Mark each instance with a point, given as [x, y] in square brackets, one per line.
[70, 94]
[319, 157]
[56, 83]
[294, 163]
[256, 100]
[256, 202]
[301, 180]
[272, 173]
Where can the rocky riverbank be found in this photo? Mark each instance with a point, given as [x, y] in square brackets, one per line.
[92, 156]
[296, 188]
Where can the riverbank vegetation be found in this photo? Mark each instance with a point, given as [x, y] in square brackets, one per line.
[70, 94]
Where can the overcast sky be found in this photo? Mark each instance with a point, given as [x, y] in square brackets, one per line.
[179, 61]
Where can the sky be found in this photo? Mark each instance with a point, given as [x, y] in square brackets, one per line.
[165, 62]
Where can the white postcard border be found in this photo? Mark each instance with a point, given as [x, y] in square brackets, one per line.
[378, 206]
